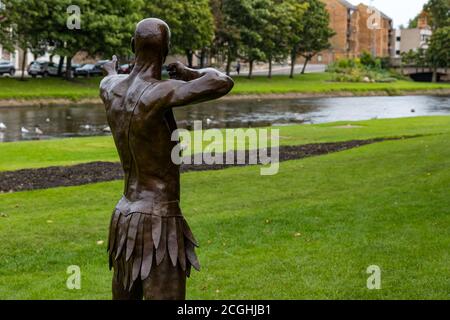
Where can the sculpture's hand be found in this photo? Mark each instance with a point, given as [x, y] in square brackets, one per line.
[178, 71]
[111, 67]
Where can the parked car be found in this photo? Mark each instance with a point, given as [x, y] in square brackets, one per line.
[89, 70]
[7, 67]
[52, 69]
[38, 68]
[125, 69]
[100, 63]
[45, 69]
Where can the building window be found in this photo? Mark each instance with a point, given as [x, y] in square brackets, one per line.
[425, 38]
[397, 52]
[399, 38]
[319, 58]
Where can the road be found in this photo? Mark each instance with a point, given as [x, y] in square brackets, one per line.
[285, 70]
[277, 70]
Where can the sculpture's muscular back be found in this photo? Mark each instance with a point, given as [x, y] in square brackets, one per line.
[142, 128]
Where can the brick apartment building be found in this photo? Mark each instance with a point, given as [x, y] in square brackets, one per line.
[376, 40]
[343, 22]
[357, 30]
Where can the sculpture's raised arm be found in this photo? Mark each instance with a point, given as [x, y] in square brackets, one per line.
[110, 80]
[111, 66]
[193, 86]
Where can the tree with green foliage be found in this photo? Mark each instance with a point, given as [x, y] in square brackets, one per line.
[415, 58]
[296, 26]
[409, 58]
[438, 54]
[106, 27]
[252, 17]
[421, 60]
[191, 23]
[317, 33]
[413, 23]
[439, 11]
[25, 27]
[198, 29]
[5, 28]
[275, 44]
[227, 31]
[272, 34]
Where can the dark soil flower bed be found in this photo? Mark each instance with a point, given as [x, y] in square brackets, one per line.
[52, 177]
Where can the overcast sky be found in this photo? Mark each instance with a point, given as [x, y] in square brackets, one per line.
[399, 10]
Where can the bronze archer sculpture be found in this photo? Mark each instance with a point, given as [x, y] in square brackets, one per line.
[151, 247]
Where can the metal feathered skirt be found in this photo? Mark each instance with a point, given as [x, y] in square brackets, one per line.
[139, 240]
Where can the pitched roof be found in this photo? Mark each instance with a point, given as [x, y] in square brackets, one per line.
[347, 4]
[383, 15]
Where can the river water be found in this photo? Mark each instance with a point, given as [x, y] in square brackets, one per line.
[31, 123]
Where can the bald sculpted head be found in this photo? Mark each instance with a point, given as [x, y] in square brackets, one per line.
[151, 38]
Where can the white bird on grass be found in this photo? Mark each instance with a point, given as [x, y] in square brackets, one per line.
[24, 130]
[106, 129]
[2, 126]
[38, 131]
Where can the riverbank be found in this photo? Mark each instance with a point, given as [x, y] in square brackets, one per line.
[383, 204]
[234, 97]
[14, 93]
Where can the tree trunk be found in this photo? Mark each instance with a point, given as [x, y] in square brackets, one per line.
[24, 58]
[228, 68]
[270, 67]
[189, 56]
[305, 64]
[435, 75]
[202, 58]
[60, 66]
[250, 71]
[293, 60]
[69, 68]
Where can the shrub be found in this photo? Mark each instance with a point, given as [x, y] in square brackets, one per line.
[367, 60]
[365, 69]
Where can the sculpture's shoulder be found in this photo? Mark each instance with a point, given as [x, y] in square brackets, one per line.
[159, 93]
[116, 85]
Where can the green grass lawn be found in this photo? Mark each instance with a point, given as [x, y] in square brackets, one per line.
[311, 234]
[321, 222]
[51, 88]
[20, 155]
[308, 83]
[320, 83]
